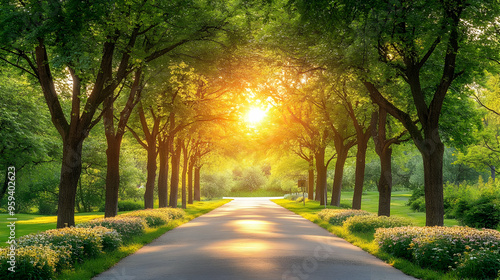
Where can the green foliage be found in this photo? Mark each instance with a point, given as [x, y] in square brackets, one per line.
[479, 264]
[339, 216]
[250, 179]
[156, 217]
[443, 248]
[474, 205]
[215, 185]
[83, 243]
[127, 227]
[32, 262]
[369, 223]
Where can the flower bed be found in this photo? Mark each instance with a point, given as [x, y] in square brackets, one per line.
[83, 243]
[339, 216]
[466, 250]
[32, 262]
[156, 217]
[369, 223]
[127, 227]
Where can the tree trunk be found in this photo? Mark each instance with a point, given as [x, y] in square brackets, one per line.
[197, 192]
[163, 150]
[151, 177]
[184, 173]
[310, 193]
[112, 176]
[493, 172]
[385, 183]
[321, 175]
[71, 169]
[360, 174]
[174, 179]
[337, 179]
[190, 180]
[432, 155]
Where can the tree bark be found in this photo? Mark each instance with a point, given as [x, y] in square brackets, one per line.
[385, 183]
[359, 173]
[163, 152]
[310, 193]
[321, 169]
[70, 174]
[174, 179]
[433, 181]
[337, 179]
[197, 192]
[190, 180]
[184, 173]
[112, 176]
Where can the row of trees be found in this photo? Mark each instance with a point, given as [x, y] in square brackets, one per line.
[177, 74]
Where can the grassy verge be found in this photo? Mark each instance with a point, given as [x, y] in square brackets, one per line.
[363, 241]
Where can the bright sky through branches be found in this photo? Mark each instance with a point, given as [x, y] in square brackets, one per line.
[255, 115]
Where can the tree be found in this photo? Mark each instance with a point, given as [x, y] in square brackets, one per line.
[407, 41]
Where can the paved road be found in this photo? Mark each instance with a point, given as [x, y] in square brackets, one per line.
[250, 239]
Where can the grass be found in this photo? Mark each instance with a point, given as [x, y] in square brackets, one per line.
[366, 241]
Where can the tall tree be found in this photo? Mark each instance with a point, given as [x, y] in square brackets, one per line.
[399, 39]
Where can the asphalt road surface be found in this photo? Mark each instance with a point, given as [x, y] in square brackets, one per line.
[250, 239]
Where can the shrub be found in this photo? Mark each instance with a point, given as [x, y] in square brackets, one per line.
[479, 264]
[215, 185]
[483, 213]
[47, 207]
[128, 205]
[418, 205]
[152, 217]
[127, 227]
[440, 248]
[339, 216]
[173, 213]
[32, 262]
[83, 243]
[369, 223]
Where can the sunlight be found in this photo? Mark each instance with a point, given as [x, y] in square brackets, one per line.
[255, 115]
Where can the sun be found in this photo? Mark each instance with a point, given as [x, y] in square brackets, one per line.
[255, 115]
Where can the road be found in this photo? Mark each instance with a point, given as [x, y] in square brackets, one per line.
[250, 238]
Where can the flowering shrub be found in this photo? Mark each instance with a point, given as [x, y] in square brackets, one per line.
[83, 243]
[156, 217]
[369, 223]
[480, 264]
[443, 248]
[173, 213]
[127, 227]
[32, 262]
[152, 217]
[339, 216]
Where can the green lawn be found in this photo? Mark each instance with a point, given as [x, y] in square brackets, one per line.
[398, 206]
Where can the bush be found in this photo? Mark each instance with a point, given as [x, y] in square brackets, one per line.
[369, 223]
[173, 213]
[32, 262]
[47, 207]
[417, 200]
[128, 205]
[127, 227]
[152, 217]
[482, 213]
[441, 248]
[480, 264]
[339, 216]
[215, 185]
[83, 243]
